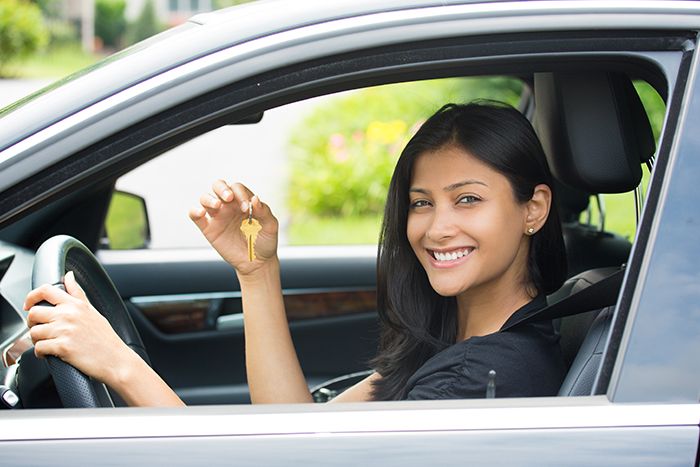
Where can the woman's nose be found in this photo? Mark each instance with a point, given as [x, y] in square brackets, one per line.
[442, 225]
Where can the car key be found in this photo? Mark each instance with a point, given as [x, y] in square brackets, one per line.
[250, 228]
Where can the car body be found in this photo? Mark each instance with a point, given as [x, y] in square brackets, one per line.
[62, 150]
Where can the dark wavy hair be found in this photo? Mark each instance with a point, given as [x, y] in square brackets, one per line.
[416, 321]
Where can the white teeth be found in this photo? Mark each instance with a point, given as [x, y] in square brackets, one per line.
[450, 256]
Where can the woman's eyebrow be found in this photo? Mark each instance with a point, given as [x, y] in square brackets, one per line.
[419, 190]
[469, 181]
[451, 187]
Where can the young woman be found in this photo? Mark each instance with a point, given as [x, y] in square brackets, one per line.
[470, 243]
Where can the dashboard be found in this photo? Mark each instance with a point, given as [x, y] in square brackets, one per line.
[15, 282]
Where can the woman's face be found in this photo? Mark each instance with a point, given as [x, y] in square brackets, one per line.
[465, 225]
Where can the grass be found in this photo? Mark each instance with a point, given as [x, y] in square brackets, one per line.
[335, 231]
[55, 62]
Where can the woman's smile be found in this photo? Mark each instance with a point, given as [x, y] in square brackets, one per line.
[449, 257]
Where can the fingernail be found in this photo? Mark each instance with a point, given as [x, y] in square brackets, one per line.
[226, 194]
[244, 206]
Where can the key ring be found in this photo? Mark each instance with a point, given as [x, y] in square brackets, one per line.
[250, 212]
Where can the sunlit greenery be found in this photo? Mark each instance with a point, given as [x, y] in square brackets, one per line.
[343, 154]
[126, 223]
[55, 62]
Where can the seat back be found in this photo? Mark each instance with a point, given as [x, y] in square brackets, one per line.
[596, 135]
[584, 369]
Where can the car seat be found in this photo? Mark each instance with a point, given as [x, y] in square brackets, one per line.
[595, 134]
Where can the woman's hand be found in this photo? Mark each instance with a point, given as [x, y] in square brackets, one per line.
[219, 218]
[76, 332]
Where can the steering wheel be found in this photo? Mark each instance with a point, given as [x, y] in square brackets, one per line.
[53, 259]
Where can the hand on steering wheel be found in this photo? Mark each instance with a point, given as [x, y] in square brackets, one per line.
[72, 329]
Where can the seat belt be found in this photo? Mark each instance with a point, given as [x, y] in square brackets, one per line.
[602, 292]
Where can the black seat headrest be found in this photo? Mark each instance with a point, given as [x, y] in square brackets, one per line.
[570, 201]
[594, 130]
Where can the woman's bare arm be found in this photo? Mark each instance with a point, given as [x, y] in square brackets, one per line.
[360, 392]
[274, 373]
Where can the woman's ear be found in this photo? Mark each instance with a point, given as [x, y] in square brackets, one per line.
[538, 208]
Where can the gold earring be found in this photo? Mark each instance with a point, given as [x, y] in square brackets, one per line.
[530, 230]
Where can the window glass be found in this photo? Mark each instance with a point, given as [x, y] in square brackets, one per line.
[323, 164]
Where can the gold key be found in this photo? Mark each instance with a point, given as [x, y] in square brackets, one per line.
[250, 228]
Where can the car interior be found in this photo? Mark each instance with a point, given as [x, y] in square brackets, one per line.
[185, 305]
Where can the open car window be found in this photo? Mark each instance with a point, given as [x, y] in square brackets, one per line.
[322, 164]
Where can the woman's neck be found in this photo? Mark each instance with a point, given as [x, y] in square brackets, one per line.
[487, 311]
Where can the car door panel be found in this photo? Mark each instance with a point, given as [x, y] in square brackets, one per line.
[191, 320]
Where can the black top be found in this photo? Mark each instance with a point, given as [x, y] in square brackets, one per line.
[526, 358]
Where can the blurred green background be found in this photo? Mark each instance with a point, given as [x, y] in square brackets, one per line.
[54, 38]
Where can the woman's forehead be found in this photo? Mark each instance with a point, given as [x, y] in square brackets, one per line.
[450, 167]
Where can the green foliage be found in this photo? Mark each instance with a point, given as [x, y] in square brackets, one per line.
[343, 154]
[49, 8]
[335, 231]
[21, 30]
[62, 33]
[146, 25]
[126, 224]
[110, 23]
[653, 104]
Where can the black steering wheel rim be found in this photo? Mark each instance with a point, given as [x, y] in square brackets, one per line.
[53, 259]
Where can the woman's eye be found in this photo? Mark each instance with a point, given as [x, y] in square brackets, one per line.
[419, 203]
[469, 199]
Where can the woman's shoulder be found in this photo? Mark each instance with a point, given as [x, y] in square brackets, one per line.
[527, 361]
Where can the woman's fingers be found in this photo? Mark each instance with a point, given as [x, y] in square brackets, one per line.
[41, 332]
[40, 315]
[199, 217]
[73, 288]
[47, 293]
[262, 209]
[242, 194]
[223, 191]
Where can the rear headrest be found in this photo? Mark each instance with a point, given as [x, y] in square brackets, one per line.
[593, 129]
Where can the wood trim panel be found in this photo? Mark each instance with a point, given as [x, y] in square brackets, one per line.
[175, 317]
[323, 304]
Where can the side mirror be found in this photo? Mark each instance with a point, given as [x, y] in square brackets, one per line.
[126, 226]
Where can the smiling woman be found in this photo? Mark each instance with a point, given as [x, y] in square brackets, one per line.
[469, 210]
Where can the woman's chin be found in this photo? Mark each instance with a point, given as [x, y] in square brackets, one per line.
[447, 290]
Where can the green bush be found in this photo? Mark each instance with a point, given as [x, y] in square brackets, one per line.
[62, 33]
[146, 25]
[110, 23]
[21, 30]
[343, 154]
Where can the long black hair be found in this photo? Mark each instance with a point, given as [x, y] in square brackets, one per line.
[416, 321]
